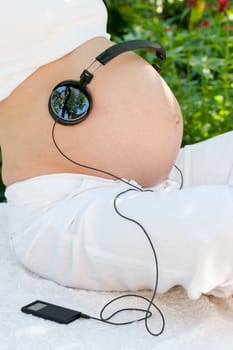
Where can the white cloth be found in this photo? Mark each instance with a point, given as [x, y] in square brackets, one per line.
[200, 325]
[33, 33]
[64, 227]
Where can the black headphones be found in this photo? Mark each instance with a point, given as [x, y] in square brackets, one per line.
[70, 100]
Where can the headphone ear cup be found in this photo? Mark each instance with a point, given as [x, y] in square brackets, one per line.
[69, 102]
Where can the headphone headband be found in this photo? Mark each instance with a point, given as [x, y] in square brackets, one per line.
[117, 49]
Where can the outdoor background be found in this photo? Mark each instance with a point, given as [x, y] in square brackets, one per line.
[198, 38]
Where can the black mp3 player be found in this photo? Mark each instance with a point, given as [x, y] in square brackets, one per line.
[51, 312]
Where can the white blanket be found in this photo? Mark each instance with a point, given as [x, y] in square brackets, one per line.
[191, 325]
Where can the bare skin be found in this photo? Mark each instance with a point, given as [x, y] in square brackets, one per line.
[133, 131]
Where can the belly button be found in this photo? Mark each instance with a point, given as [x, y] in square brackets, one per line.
[177, 119]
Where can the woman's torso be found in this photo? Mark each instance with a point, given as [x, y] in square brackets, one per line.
[134, 129]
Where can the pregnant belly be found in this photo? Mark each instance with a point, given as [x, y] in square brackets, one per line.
[135, 127]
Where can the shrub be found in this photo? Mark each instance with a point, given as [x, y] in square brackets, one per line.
[198, 38]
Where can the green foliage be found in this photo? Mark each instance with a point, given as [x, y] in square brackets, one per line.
[198, 38]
